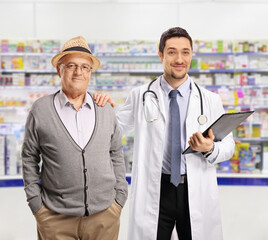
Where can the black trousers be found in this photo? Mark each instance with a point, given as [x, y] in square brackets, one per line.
[174, 210]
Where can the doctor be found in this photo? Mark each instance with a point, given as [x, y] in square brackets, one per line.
[166, 193]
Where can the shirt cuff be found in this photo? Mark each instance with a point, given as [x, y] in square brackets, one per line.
[213, 156]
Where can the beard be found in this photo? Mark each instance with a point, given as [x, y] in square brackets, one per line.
[178, 76]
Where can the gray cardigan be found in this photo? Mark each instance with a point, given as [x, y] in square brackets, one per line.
[72, 180]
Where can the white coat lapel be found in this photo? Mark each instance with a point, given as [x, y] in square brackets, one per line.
[194, 111]
[157, 89]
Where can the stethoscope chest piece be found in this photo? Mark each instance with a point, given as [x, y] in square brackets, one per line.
[202, 119]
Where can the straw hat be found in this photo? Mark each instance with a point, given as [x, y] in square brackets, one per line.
[76, 45]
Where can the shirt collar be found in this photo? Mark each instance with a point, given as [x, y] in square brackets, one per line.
[64, 101]
[183, 89]
[87, 101]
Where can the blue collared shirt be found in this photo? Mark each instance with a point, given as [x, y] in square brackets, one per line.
[79, 123]
[183, 101]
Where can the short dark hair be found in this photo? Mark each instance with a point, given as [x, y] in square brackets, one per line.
[173, 32]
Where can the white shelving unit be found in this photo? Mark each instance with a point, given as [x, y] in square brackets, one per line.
[118, 69]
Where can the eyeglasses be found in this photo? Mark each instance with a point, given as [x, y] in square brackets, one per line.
[73, 67]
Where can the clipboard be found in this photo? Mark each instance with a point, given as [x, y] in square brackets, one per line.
[223, 126]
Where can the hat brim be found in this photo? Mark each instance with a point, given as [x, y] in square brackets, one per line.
[95, 61]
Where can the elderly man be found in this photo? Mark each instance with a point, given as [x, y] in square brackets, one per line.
[81, 188]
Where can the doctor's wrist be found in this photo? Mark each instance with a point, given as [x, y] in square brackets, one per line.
[206, 154]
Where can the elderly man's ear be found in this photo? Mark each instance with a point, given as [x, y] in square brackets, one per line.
[58, 70]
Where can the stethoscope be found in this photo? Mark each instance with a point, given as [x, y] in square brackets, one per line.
[202, 119]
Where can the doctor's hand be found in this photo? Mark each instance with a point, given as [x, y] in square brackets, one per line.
[102, 98]
[202, 144]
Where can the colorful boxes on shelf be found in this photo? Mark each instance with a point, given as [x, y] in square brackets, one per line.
[246, 159]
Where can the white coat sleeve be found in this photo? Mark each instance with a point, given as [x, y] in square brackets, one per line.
[126, 113]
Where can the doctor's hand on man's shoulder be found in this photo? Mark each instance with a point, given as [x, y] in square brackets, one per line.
[200, 143]
[102, 98]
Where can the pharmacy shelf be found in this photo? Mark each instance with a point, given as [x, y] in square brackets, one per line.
[38, 71]
[29, 87]
[195, 54]
[246, 107]
[145, 71]
[241, 179]
[131, 57]
[50, 87]
[198, 71]
[92, 87]
[140, 71]
[56, 88]
[261, 139]
[12, 108]
[11, 181]
[12, 123]
[212, 54]
[241, 175]
[240, 70]
[112, 54]
[112, 87]
[22, 54]
[191, 71]
[246, 86]
[257, 54]
[251, 70]
[232, 86]
[231, 179]
[136, 54]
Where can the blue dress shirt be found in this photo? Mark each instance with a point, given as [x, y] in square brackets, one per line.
[183, 100]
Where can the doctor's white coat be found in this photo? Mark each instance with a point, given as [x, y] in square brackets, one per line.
[147, 165]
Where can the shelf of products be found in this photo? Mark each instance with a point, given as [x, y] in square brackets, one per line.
[235, 70]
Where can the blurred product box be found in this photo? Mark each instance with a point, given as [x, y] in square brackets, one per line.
[11, 155]
[265, 160]
[246, 159]
[2, 155]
